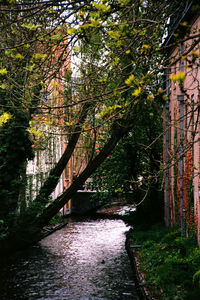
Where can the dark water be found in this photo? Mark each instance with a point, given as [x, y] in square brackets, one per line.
[84, 260]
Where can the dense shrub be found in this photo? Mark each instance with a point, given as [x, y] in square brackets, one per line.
[169, 262]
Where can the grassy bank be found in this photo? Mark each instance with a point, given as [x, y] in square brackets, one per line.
[170, 263]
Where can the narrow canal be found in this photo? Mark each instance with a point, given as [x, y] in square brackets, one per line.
[84, 260]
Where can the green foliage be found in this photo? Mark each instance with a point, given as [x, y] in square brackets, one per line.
[196, 278]
[21, 82]
[15, 149]
[56, 220]
[134, 165]
[171, 236]
[119, 43]
[170, 262]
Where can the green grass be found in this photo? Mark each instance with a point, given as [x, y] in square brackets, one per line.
[170, 262]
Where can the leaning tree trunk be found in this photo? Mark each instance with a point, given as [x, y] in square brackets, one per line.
[29, 230]
[54, 208]
[52, 180]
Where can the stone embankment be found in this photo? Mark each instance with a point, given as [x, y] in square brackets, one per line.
[51, 228]
[133, 253]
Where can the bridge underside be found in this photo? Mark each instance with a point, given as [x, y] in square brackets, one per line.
[83, 202]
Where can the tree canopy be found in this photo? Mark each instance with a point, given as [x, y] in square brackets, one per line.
[116, 49]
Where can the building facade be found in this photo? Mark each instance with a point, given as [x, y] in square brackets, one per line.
[181, 122]
[50, 122]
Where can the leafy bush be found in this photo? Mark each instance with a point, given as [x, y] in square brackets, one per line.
[170, 262]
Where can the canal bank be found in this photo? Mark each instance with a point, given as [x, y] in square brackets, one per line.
[133, 253]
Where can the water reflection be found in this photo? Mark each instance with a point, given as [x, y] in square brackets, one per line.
[84, 260]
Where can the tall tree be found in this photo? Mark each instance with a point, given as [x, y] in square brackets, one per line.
[120, 53]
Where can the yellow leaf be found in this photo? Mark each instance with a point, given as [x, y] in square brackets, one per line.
[118, 43]
[19, 56]
[69, 123]
[39, 56]
[194, 55]
[184, 23]
[56, 37]
[31, 26]
[123, 2]
[145, 46]
[3, 86]
[30, 68]
[4, 118]
[165, 97]
[114, 34]
[8, 52]
[101, 7]
[84, 26]
[137, 92]
[95, 23]
[130, 80]
[179, 76]
[81, 13]
[3, 72]
[71, 31]
[150, 97]
[160, 91]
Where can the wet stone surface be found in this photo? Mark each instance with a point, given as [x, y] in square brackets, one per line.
[85, 260]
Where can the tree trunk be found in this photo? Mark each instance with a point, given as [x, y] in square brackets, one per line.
[28, 231]
[54, 208]
[52, 180]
